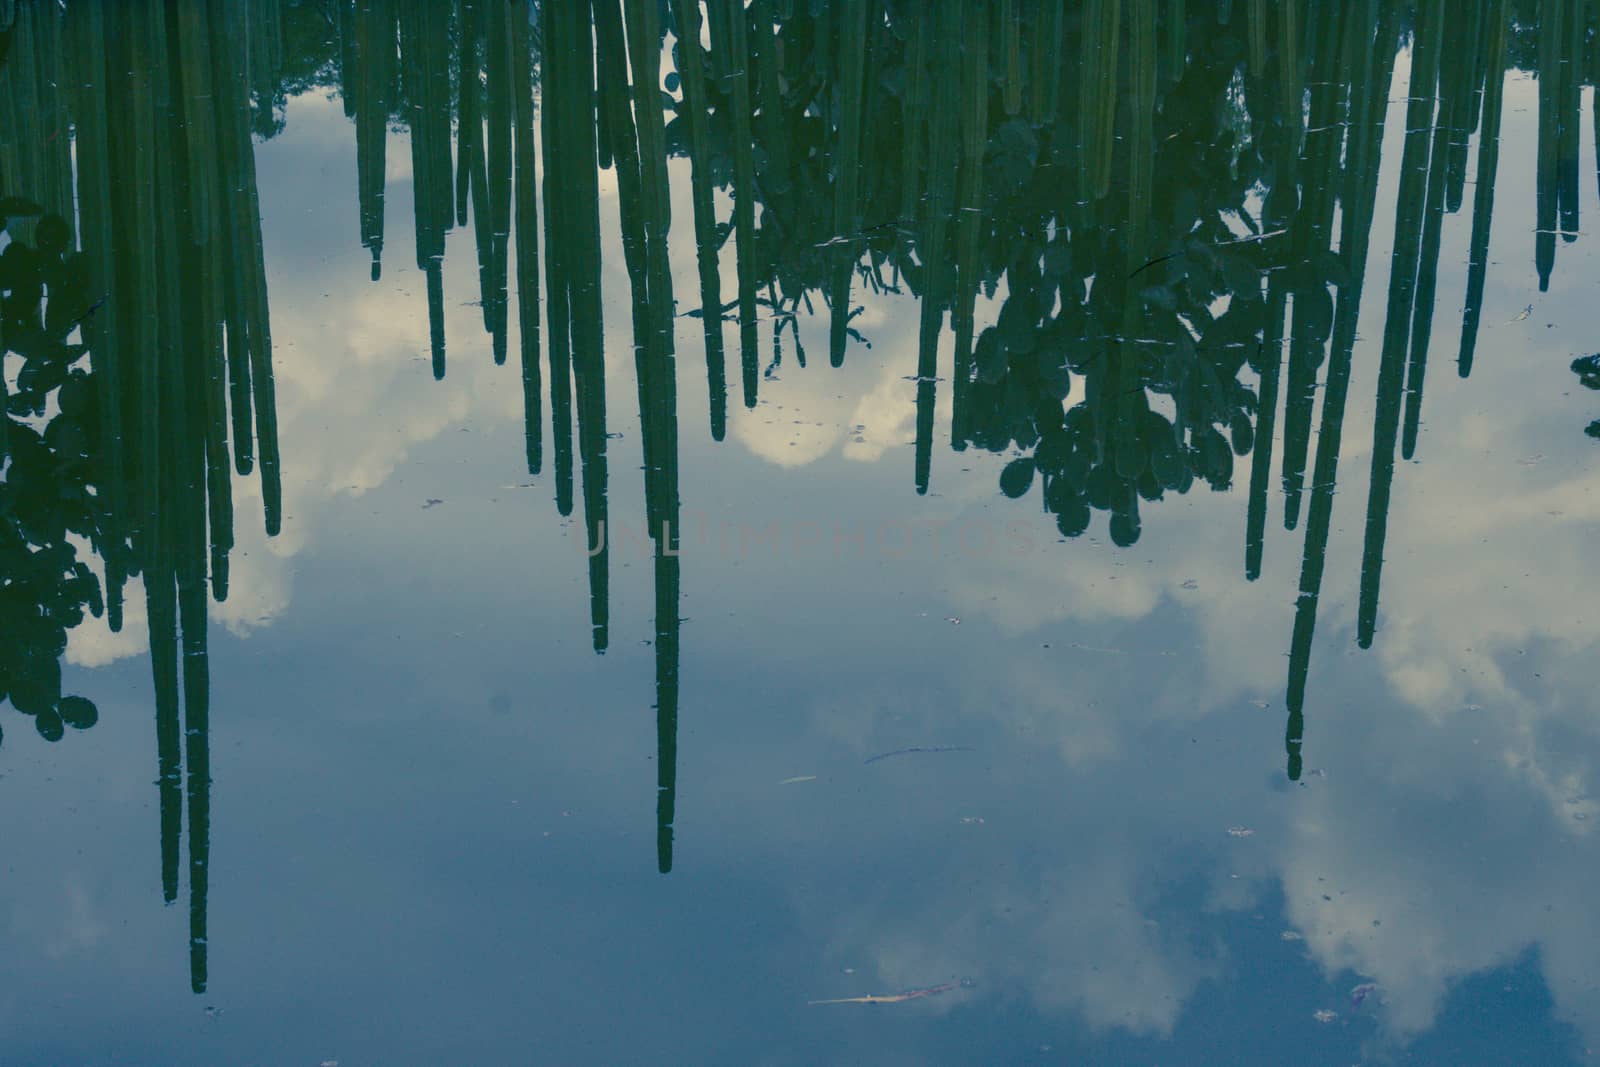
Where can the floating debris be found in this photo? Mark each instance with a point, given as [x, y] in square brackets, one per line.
[1291, 935]
[1240, 831]
[972, 820]
[918, 749]
[900, 998]
[1525, 313]
[431, 502]
[1190, 583]
[1323, 1015]
[799, 778]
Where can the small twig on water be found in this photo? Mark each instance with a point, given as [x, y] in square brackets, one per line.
[919, 748]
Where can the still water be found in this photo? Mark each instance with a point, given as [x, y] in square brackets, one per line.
[790, 533]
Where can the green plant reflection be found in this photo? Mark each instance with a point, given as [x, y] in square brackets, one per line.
[161, 292]
[1168, 209]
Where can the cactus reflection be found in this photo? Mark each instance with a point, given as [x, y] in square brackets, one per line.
[1164, 202]
[1175, 202]
[168, 300]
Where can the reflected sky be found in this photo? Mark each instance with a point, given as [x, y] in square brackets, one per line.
[434, 822]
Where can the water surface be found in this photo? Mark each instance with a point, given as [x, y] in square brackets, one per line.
[527, 540]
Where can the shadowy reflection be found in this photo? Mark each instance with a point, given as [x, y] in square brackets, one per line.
[1162, 211]
[161, 292]
[51, 482]
[1153, 205]
[1162, 202]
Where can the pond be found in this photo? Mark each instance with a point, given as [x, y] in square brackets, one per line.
[619, 531]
